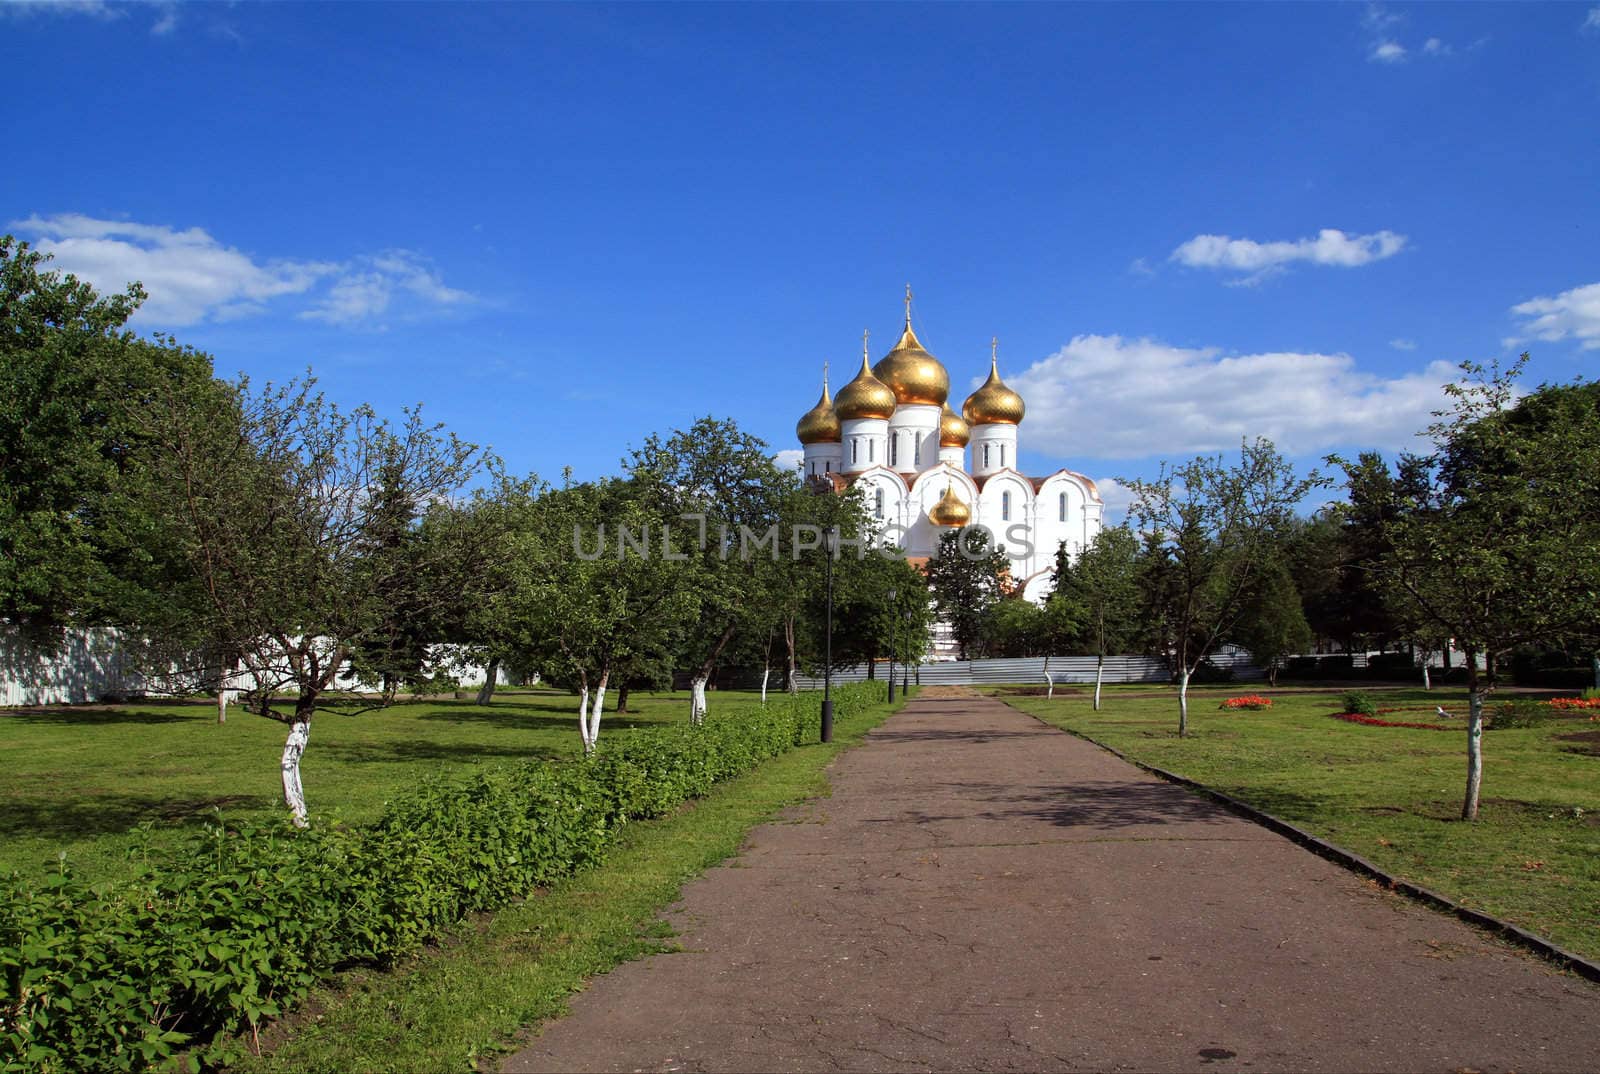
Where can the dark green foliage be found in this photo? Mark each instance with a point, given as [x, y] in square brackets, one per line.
[236, 928]
[1359, 703]
[1509, 714]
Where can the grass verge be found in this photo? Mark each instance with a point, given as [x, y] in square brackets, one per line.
[103, 783]
[1390, 794]
[456, 1007]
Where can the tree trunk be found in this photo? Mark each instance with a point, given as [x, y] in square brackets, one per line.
[490, 674]
[222, 704]
[1427, 681]
[872, 668]
[1050, 694]
[1594, 663]
[293, 748]
[792, 683]
[622, 697]
[1272, 673]
[697, 700]
[1099, 676]
[697, 690]
[765, 673]
[591, 720]
[1475, 692]
[1183, 702]
[583, 710]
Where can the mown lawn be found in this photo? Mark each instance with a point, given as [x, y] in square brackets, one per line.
[1392, 795]
[98, 783]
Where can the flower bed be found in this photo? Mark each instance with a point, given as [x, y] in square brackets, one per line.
[1573, 704]
[1248, 701]
[1374, 721]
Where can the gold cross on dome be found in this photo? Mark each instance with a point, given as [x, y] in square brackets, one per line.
[908, 305]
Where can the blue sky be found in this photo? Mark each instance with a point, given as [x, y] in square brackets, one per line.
[564, 227]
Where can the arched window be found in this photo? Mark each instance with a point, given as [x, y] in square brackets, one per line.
[872, 451]
[916, 453]
[894, 451]
[986, 455]
[1005, 505]
[827, 466]
[1002, 455]
[855, 449]
[878, 502]
[1062, 504]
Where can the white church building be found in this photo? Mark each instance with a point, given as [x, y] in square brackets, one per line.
[891, 433]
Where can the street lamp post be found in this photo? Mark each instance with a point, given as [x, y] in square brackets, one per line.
[905, 683]
[830, 541]
[894, 622]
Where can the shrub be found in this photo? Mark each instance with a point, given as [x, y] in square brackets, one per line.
[1508, 714]
[1359, 703]
[236, 927]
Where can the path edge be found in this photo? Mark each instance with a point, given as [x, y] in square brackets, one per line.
[1351, 861]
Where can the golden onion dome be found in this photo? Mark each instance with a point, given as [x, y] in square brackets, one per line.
[994, 403]
[915, 375]
[953, 429]
[819, 425]
[865, 397]
[949, 511]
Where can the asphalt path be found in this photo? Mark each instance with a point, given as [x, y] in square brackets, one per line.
[983, 892]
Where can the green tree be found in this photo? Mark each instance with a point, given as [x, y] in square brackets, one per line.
[274, 495]
[1100, 595]
[1273, 623]
[1212, 527]
[81, 540]
[968, 576]
[727, 499]
[1497, 542]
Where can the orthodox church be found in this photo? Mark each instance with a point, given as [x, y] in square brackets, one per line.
[892, 433]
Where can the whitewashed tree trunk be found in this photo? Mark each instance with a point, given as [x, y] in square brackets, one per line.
[1099, 677]
[1050, 694]
[765, 673]
[591, 722]
[1427, 681]
[222, 704]
[1469, 807]
[1183, 702]
[491, 673]
[583, 714]
[293, 794]
[697, 700]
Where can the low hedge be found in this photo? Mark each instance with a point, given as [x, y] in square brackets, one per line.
[237, 927]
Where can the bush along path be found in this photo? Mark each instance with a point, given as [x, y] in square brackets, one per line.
[235, 929]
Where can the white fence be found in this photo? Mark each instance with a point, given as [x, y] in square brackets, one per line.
[94, 665]
[1031, 669]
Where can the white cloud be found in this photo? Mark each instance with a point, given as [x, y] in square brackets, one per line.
[1387, 52]
[94, 8]
[1403, 344]
[1592, 22]
[1435, 47]
[1108, 397]
[166, 22]
[1378, 19]
[367, 288]
[789, 458]
[191, 277]
[1573, 314]
[1330, 247]
[1117, 497]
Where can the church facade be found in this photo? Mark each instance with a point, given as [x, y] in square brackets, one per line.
[924, 469]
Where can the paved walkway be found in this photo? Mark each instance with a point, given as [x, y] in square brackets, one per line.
[982, 892]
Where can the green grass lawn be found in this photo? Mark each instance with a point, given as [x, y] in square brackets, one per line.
[1392, 795]
[99, 782]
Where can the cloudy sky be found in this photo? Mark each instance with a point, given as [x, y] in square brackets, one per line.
[565, 227]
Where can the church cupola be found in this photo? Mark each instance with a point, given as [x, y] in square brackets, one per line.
[993, 411]
[915, 376]
[820, 433]
[954, 432]
[950, 512]
[864, 406]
